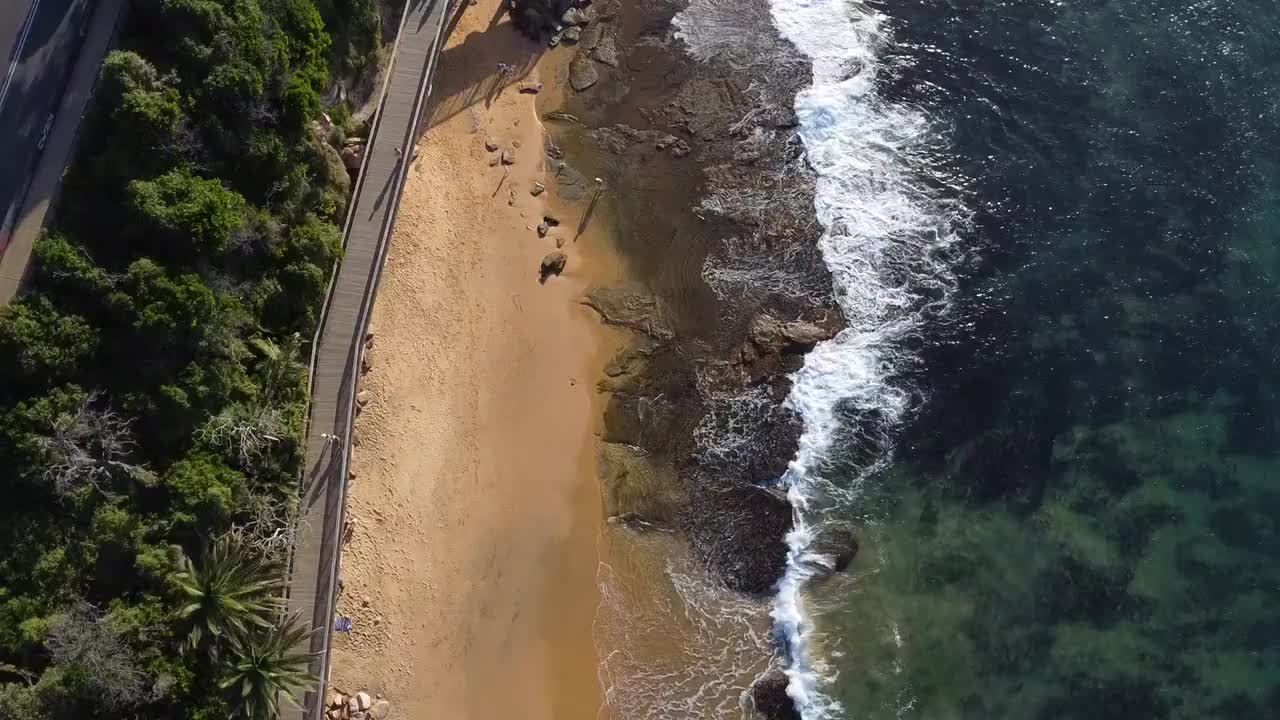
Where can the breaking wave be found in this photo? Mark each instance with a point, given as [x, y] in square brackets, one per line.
[890, 241]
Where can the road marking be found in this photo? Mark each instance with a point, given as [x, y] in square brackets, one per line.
[17, 50]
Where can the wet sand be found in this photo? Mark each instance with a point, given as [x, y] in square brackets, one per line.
[471, 571]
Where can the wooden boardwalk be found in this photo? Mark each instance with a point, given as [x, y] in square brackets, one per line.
[338, 350]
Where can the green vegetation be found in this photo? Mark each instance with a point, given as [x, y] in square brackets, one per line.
[152, 386]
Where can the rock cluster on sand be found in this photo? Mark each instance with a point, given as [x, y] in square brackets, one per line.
[360, 706]
[571, 22]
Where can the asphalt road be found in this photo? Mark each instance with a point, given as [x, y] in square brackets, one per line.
[39, 40]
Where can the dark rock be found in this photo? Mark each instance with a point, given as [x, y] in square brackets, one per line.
[551, 220]
[491, 144]
[582, 74]
[838, 547]
[606, 50]
[530, 88]
[552, 264]
[543, 229]
[628, 307]
[769, 695]
[639, 486]
[538, 189]
[773, 336]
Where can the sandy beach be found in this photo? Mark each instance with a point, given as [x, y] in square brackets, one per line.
[470, 572]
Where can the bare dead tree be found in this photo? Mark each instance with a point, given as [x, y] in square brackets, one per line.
[244, 433]
[86, 639]
[90, 446]
[270, 527]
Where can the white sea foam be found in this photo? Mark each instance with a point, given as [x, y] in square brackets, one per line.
[887, 242]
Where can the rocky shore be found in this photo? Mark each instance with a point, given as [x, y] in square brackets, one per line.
[690, 125]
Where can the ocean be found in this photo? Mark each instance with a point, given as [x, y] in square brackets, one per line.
[1051, 421]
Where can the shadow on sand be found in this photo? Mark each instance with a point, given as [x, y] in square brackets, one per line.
[472, 72]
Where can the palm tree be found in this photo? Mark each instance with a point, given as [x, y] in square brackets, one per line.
[279, 369]
[228, 594]
[268, 665]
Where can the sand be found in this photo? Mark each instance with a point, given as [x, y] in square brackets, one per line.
[470, 573]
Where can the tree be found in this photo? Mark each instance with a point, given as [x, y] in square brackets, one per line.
[87, 645]
[268, 665]
[224, 597]
[90, 447]
[203, 491]
[185, 217]
[41, 345]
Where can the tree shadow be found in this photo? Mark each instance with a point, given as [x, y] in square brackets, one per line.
[471, 73]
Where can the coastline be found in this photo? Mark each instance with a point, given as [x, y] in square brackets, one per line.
[470, 571]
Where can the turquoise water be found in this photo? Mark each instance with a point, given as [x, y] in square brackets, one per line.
[1079, 516]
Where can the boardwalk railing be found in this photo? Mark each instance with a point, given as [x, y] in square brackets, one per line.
[338, 346]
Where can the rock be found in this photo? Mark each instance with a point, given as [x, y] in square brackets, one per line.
[574, 16]
[769, 695]
[362, 397]
[352, 156]
[562, 116]
[591, 35]
[773, 336]
[606, 50]
[529, 88]
[538, 189]
[491, 145]
[493, 160]
[335, 699]
[582, 74]
[560, 242]
[543, 229]
[363, 700]
[380, 710]
[552, 264]
[368, 338]
[571, 34]
[680, 150]
[551, 220]
[358, 716]
[639, 487]
[508, 157]
[353, 706]
[628, 307]
[665, 141]
[839, 547]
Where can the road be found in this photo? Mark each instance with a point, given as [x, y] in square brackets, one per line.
[339, 346]
[40, 40]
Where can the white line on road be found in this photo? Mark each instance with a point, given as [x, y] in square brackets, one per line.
[17, 50]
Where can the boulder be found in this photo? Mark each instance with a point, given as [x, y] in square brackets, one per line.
[538, 189]
[380, 710]
[582, 74]
[491, 145]
[508, 157]
[837, 548]
[530, 88]
[362, 397]
[552, 264]
[543, 229]
[605, 50]
[773, 336]
[363, 700]
[769, 695]
[352, 156]
[353, 705]
[571, 34]
[680, 150]
[628, 307]
[574, 16]
[335, 699]
[551, 220]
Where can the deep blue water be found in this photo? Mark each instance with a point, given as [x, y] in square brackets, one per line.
[1079, 518]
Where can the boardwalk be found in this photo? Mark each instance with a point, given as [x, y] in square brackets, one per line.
[338, 351]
